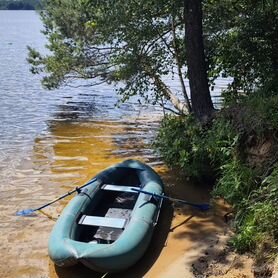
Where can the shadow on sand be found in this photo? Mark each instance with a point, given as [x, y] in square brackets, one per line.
[142, 266]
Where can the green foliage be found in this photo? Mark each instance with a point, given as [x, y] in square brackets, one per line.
[130, 43]
[258, 226]
[262, 112]
[242, 41]
[256, 113]
[220, 149]
[221, 141]
[254, 196]
[134, 43]
[178, 142]
[236, 181]
[197, 150]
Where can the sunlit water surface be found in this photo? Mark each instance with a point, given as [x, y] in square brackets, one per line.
[51, 142]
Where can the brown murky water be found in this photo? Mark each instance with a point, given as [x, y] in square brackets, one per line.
[69, 154]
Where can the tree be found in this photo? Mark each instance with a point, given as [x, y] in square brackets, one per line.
[197, 69]
[243, 36]
[135, 43]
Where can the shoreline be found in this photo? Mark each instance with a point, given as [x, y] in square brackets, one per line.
[186, 243]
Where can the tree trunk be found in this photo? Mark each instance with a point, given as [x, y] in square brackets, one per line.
[201, 102]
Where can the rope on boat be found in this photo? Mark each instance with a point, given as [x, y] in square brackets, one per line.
[104, 275]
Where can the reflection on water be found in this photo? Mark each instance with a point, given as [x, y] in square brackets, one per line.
[78, 150]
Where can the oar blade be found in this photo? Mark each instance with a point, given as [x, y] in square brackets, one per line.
[25, 212]
[204, 207]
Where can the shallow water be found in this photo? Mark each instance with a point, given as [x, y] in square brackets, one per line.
[54, 141]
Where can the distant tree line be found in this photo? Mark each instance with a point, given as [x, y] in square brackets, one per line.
[19, 4]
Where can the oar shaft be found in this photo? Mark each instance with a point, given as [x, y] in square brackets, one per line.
[65, 195]
[150, 193]
[200, 206]
[54, 201]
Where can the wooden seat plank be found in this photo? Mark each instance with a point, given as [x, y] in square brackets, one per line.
[118, 223]
[122, 188]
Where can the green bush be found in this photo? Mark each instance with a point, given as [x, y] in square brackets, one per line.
[179, 141]
[235, 183]
[256, 112]
[197, 150]
[258, 226]
[220, 151]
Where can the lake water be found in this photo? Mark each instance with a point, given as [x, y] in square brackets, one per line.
[51, 142]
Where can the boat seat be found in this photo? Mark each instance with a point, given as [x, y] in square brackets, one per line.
[122, 188]
[118, 223]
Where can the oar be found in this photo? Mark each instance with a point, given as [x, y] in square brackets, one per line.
[27, 212]
[199, 206]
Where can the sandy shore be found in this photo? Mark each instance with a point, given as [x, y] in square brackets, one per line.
[186, 243]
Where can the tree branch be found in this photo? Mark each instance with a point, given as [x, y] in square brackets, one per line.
[160, 37]
[170, 109]
[180, 106]
[176, 55]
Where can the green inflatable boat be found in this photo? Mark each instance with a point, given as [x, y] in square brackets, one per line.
[109, 224]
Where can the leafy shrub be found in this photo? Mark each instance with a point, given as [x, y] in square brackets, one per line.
[258, 226]
[235, 183]
[197, 150]
[256, 112]
[180, 143]
[220, 150]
